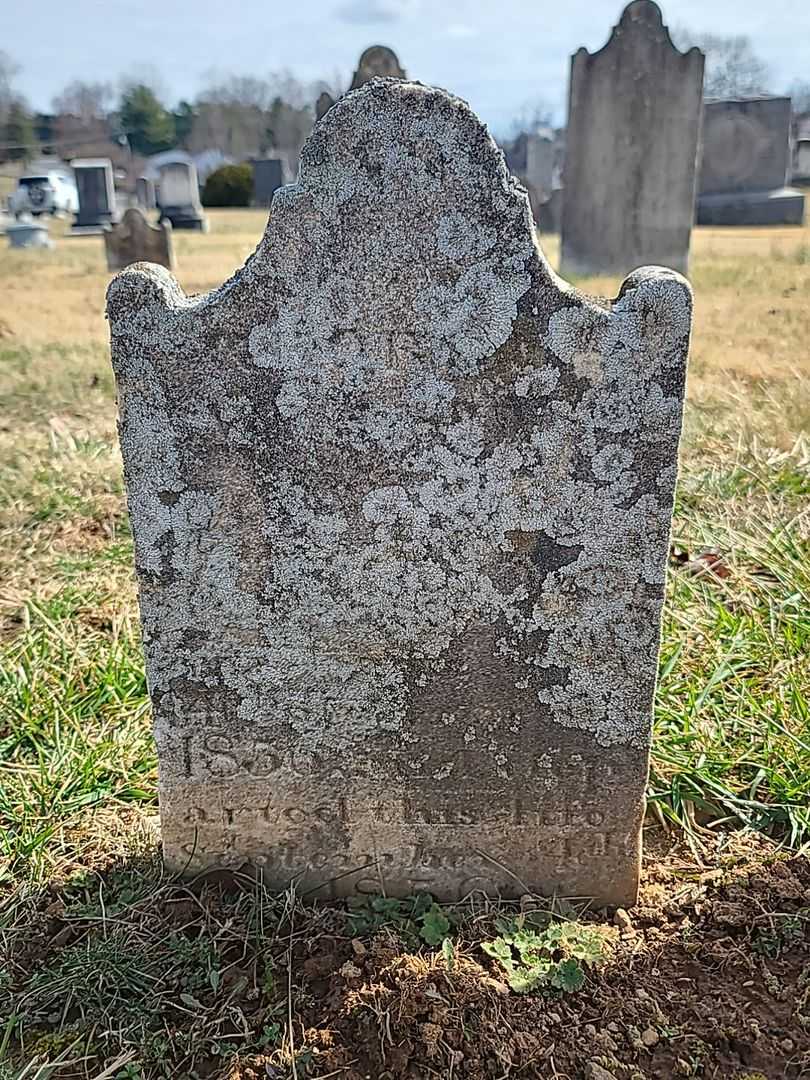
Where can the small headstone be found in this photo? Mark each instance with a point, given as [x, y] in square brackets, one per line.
[801, 165]
[268, 177]
[745, 164]
[133, 240]
[540, 158]
[179, 196]
[632, 139]
[96, 188]
[145, 193]
[377, 60]
[323, 104]
[28, 232]
[401, 504]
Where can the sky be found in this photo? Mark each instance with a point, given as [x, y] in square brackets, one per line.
[503, 56]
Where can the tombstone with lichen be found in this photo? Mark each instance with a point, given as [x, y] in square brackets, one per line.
[401, 501]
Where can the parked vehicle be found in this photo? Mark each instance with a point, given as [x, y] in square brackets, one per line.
[51, 192]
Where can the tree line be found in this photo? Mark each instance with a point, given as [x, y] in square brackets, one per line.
[239, 115]
[244, 116]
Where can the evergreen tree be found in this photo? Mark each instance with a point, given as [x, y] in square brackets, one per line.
[147, 124]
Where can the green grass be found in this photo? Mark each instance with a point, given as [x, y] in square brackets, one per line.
[75, 733]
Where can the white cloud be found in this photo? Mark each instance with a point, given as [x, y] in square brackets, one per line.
[375, 11]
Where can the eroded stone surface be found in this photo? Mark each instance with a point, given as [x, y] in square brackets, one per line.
[401, 503]
[634, 113]
[133, 240]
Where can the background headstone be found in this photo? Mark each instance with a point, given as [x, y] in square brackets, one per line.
[28, 232]
[745, 164]
[634, 113]
[323, 104]
[133, 240]
[96, 188]
[268, 176]
[401, 506]
[801, 168]
[179, 196]
[536, 159]
[145, 193]
[377, 60]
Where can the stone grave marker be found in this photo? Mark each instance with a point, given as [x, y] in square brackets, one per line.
[28, 232]
[96, 188]
[634, 113]
[323, 104]
[401, 503]
[179, 196]
[145, 193]
[133, 240]
[268, 176]
[377, 60]
[745, 164]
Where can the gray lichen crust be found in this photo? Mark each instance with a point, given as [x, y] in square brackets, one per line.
[393, 441]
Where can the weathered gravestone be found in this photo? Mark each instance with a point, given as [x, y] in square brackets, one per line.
[323, 104]
[745, 164]
[268, 176]
[133, 240]
[634, 112]
[179, 196]
[96, 188]
[145, 193]
[377, 61]
[401, 504]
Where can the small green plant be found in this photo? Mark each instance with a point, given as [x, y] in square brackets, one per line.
[785, 934]
[554, 956]
[415, 918]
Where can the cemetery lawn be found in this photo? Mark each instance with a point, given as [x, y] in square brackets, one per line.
[110, 969]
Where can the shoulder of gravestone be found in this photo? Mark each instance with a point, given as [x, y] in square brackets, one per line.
[658, 280]
[659, 302]
[141, 288]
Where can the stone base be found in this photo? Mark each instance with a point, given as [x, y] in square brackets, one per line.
[86, 224]
[781, 206]
[184, 217]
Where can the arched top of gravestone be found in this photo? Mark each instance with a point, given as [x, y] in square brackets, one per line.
[416, 189]
[643, 17]
[377, 60]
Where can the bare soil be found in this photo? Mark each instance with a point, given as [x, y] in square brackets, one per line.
[707, 977]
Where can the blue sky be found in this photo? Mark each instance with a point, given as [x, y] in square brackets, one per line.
[498, 54]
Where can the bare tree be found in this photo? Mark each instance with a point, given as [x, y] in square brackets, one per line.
[9, 69]
[245, 116]
[531, 115]
[82, 120]
[733, 69]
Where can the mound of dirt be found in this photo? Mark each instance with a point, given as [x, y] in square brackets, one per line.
[708, 977]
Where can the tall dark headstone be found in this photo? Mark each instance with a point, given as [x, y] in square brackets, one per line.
[377, 60]
[96, 188]
[268, 176]
[634, 111]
